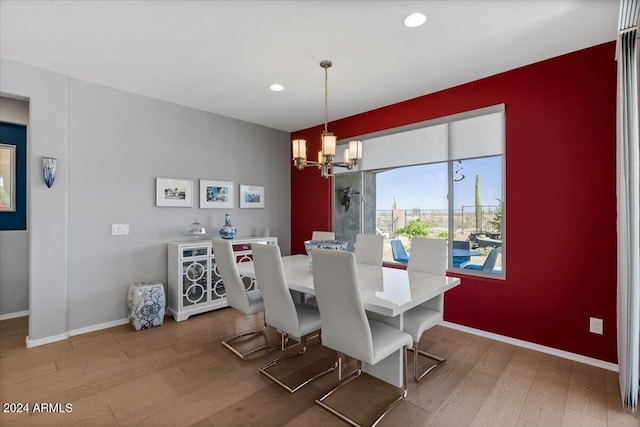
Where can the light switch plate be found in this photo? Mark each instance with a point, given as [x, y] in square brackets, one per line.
[119, 229]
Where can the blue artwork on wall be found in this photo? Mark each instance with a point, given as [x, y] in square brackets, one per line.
[16, 135]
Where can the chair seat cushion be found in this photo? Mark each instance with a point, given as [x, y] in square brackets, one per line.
[386, 340]
[461, 261]
[308, 318]
[256, 305]
[419, 319]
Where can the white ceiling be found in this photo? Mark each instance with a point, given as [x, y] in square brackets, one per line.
[221, 56]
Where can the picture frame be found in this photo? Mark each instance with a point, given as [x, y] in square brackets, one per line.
[216, 194]
[174, 192]
[251, 196]
[8, 178]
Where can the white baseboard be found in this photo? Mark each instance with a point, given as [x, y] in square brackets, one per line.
[14, 315]
[46, 340]
[98, 327]
[520, 343]
[537, 347]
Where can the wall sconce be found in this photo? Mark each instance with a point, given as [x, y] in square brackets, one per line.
[347, 193]
[49, 170]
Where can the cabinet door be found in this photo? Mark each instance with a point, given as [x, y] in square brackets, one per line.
[195, 287]
[217, 287]
[249, 282]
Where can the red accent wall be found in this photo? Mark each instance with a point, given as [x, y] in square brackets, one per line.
[560, 203]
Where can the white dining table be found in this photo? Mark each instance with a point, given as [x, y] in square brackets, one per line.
[386, 293]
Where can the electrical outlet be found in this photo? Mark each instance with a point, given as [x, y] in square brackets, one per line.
[596, 326]
[119, 229]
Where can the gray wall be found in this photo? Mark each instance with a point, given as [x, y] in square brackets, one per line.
[117, 144]
[14, 244]
[46, 208]
[346, 225]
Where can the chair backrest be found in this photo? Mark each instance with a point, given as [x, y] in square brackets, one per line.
[490, 262]
[345, 327]
[399, 252]
[233, 285]
[428, 255]
[279, 309]
[369, 249]
[462, 244]
[323, 235]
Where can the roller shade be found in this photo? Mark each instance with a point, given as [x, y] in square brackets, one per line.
[476, 133]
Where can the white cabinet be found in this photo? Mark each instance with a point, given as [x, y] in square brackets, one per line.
[194, 285]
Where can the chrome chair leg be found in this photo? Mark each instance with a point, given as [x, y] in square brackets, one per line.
[264, 369]
[354, 375]
[417, 352]
[227, 343]
[341, 381]
[342, 363]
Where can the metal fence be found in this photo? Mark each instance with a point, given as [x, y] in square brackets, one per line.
[389, 221]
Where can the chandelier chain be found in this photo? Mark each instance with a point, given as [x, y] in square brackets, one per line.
[326, 99]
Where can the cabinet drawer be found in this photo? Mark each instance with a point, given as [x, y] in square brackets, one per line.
[194, 251]
[239, 247]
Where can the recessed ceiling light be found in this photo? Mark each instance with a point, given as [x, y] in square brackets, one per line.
[415, 19]
[276, 87]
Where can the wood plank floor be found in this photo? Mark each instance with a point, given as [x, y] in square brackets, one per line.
[180, 375]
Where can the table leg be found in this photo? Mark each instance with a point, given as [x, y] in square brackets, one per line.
[389, 369]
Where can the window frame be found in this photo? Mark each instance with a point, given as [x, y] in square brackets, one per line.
[499, 108]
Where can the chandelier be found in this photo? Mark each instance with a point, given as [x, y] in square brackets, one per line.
[351, 155]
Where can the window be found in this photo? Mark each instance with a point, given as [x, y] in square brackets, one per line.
[439, 179]
[477, 214]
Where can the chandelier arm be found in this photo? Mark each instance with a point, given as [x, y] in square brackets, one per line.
[342, 165]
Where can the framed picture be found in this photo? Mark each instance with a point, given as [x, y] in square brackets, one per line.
[251, 196]
[174, 192]
[7, 178]
[216, 194]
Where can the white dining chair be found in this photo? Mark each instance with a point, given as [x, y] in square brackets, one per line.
[248, 302]
[345, 327]
[427, 256]
[323, 235]
[369, 249]
[318, 235]
[297, 321]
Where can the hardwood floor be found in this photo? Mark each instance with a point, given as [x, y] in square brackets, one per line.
[180, 375]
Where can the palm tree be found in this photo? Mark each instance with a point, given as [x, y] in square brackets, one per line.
[478, 207]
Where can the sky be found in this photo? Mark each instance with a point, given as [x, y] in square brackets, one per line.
[425, 186]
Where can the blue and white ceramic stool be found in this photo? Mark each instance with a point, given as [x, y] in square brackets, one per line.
[145, 305]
